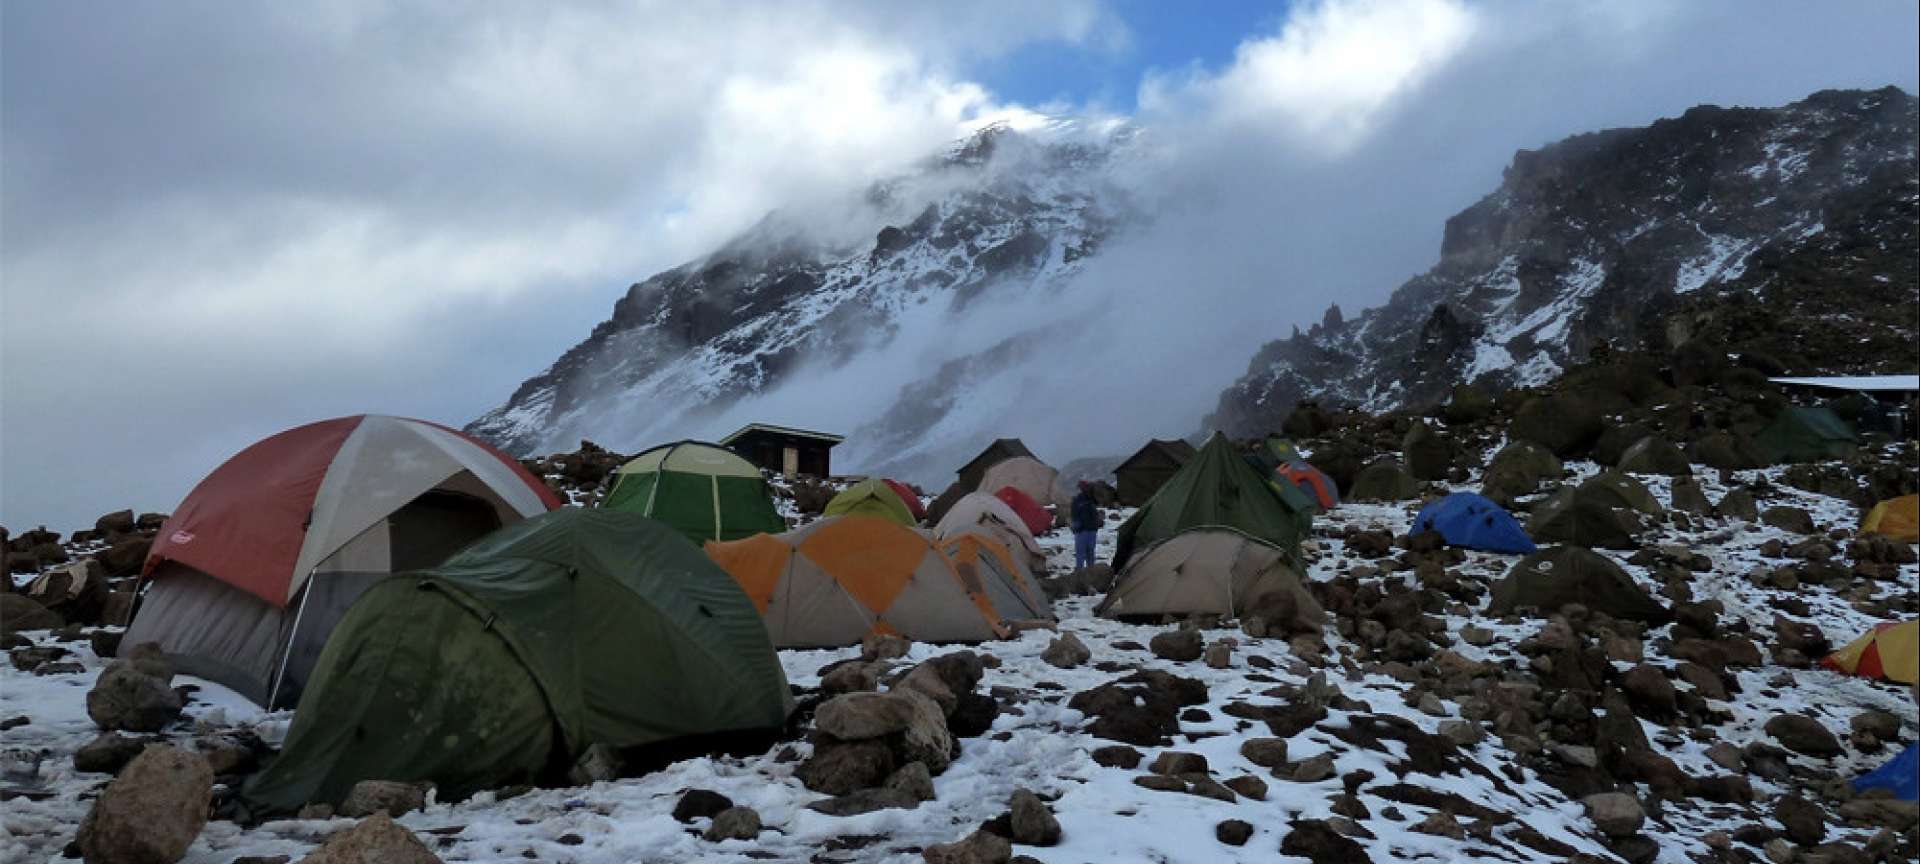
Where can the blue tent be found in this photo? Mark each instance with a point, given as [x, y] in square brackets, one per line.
[1897, 776]
[1472, 521]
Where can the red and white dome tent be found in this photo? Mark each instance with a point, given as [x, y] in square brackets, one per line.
[249, 576]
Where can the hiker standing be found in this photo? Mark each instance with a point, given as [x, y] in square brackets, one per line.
[1084, 520]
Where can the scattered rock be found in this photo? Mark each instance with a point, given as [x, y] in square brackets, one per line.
[1804, 822]
[1617, 814]
[1118, 756]
[127, 698]
[1265, 752]
[1791, 519]
[375, 838]
[700, 804]
[152, 812]
[1033, 824]
[980, 847]
[733, 823]
[1220, 655]
[1233, 832]
[1177, 645]
[391, 797]
[1066, 651]
[1317, 841]
[1803, 735]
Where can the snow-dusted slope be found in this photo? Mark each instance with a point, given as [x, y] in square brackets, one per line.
[1643, 238]
[1006, 213]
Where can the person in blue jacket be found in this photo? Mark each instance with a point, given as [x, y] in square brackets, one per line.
[1084, 519]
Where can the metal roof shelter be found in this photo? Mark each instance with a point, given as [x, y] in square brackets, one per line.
[783, 449]
[1856, 383]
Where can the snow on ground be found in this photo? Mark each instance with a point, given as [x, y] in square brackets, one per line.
[1037, 744]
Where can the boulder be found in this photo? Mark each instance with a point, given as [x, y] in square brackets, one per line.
[1528, 459]
[1616, 440]
[76, 592]
[733, 823]
[1317, 841]
[118, 522]
[1178, 645]
[152, 812]
[1233, 832]
[1738, 504]
[109, 752]
[127, 698]
[1688, 497]
[1467, 404]
[859, 716]
[1650, 693]
[1616, 814]
[838, 768]
[1066, 651]
[1428, 455]
[1033, 824]
[1791, 519]
[1565, 423]
[1802, 819]
[1384, 480]
[1570, 575]
[1803, 735]
[391, 797]
[700, 804]
[980, 847]
[1141, 708]
[20, 613]
[1726, 451]
[375, 838]
[1655, 455]
[126, 555]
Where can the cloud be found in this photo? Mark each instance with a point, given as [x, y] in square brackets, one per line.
[222, 221]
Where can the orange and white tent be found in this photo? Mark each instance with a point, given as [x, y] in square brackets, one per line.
[833, 582]
[979, 512]
[1890, 651]
[987, 567]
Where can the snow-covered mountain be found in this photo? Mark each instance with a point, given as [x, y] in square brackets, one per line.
[1785, 235]
[930, 320]
[1005, 214]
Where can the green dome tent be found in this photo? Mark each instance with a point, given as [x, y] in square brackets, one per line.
[506, 663]
[701, 490]
[1803, 434]
[871, 497]
[1218, 489]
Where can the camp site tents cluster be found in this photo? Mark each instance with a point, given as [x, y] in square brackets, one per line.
[389, 574]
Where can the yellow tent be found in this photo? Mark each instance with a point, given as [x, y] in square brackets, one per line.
[1890, 651]
[1897, 518]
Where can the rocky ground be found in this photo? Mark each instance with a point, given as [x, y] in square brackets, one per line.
[1417, 725]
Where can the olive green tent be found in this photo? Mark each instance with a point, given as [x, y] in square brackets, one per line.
[1217, 489]
[508, 662]
[703, 491]
[1806, 434]
[871, 497]
[1567, 575]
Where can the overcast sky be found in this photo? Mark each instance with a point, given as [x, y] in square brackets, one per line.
[220, 220]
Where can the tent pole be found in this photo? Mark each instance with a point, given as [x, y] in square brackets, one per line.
[286, 652]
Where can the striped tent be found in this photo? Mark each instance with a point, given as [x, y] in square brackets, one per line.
[703, 491]
[1890, 650]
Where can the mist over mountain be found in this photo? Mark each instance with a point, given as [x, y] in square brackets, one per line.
[941, 307]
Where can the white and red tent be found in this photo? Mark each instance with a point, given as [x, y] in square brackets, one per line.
[251, 572]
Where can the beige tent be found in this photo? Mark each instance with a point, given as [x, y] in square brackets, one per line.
[834, 581]
[985, 566]
[981, 512]
[1213, 570]
[1032, 476]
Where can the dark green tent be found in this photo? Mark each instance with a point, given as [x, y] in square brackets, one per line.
[505, 664]
[704, 491]
[1561, 576]
[1216, 488]
[1806, 434]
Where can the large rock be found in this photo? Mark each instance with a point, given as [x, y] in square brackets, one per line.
[1316, 841]
[152, 812]
[1142, 708]
[1530, 460]
[1178, 645]
[109, 752]
[1428, 455]
[1065, 652]
[127, 698]
[1565, 423]
[734, 823]
[1570, 575]
[20, 613]
[117, 522]
[1792, 519]
[1383, 480]
[1617, 814]
[980, 847]
[859, 716]
[391, 797]
[76, 592]
[1033, 824]
[376, 839]
[1803, 735]
[1655, 455]
[1727, 451]
[838, 768]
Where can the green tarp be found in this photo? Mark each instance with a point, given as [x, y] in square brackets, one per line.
[1806, 434]
[1216, 488]
[505, 664]
[705, 492]
[871, 497]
